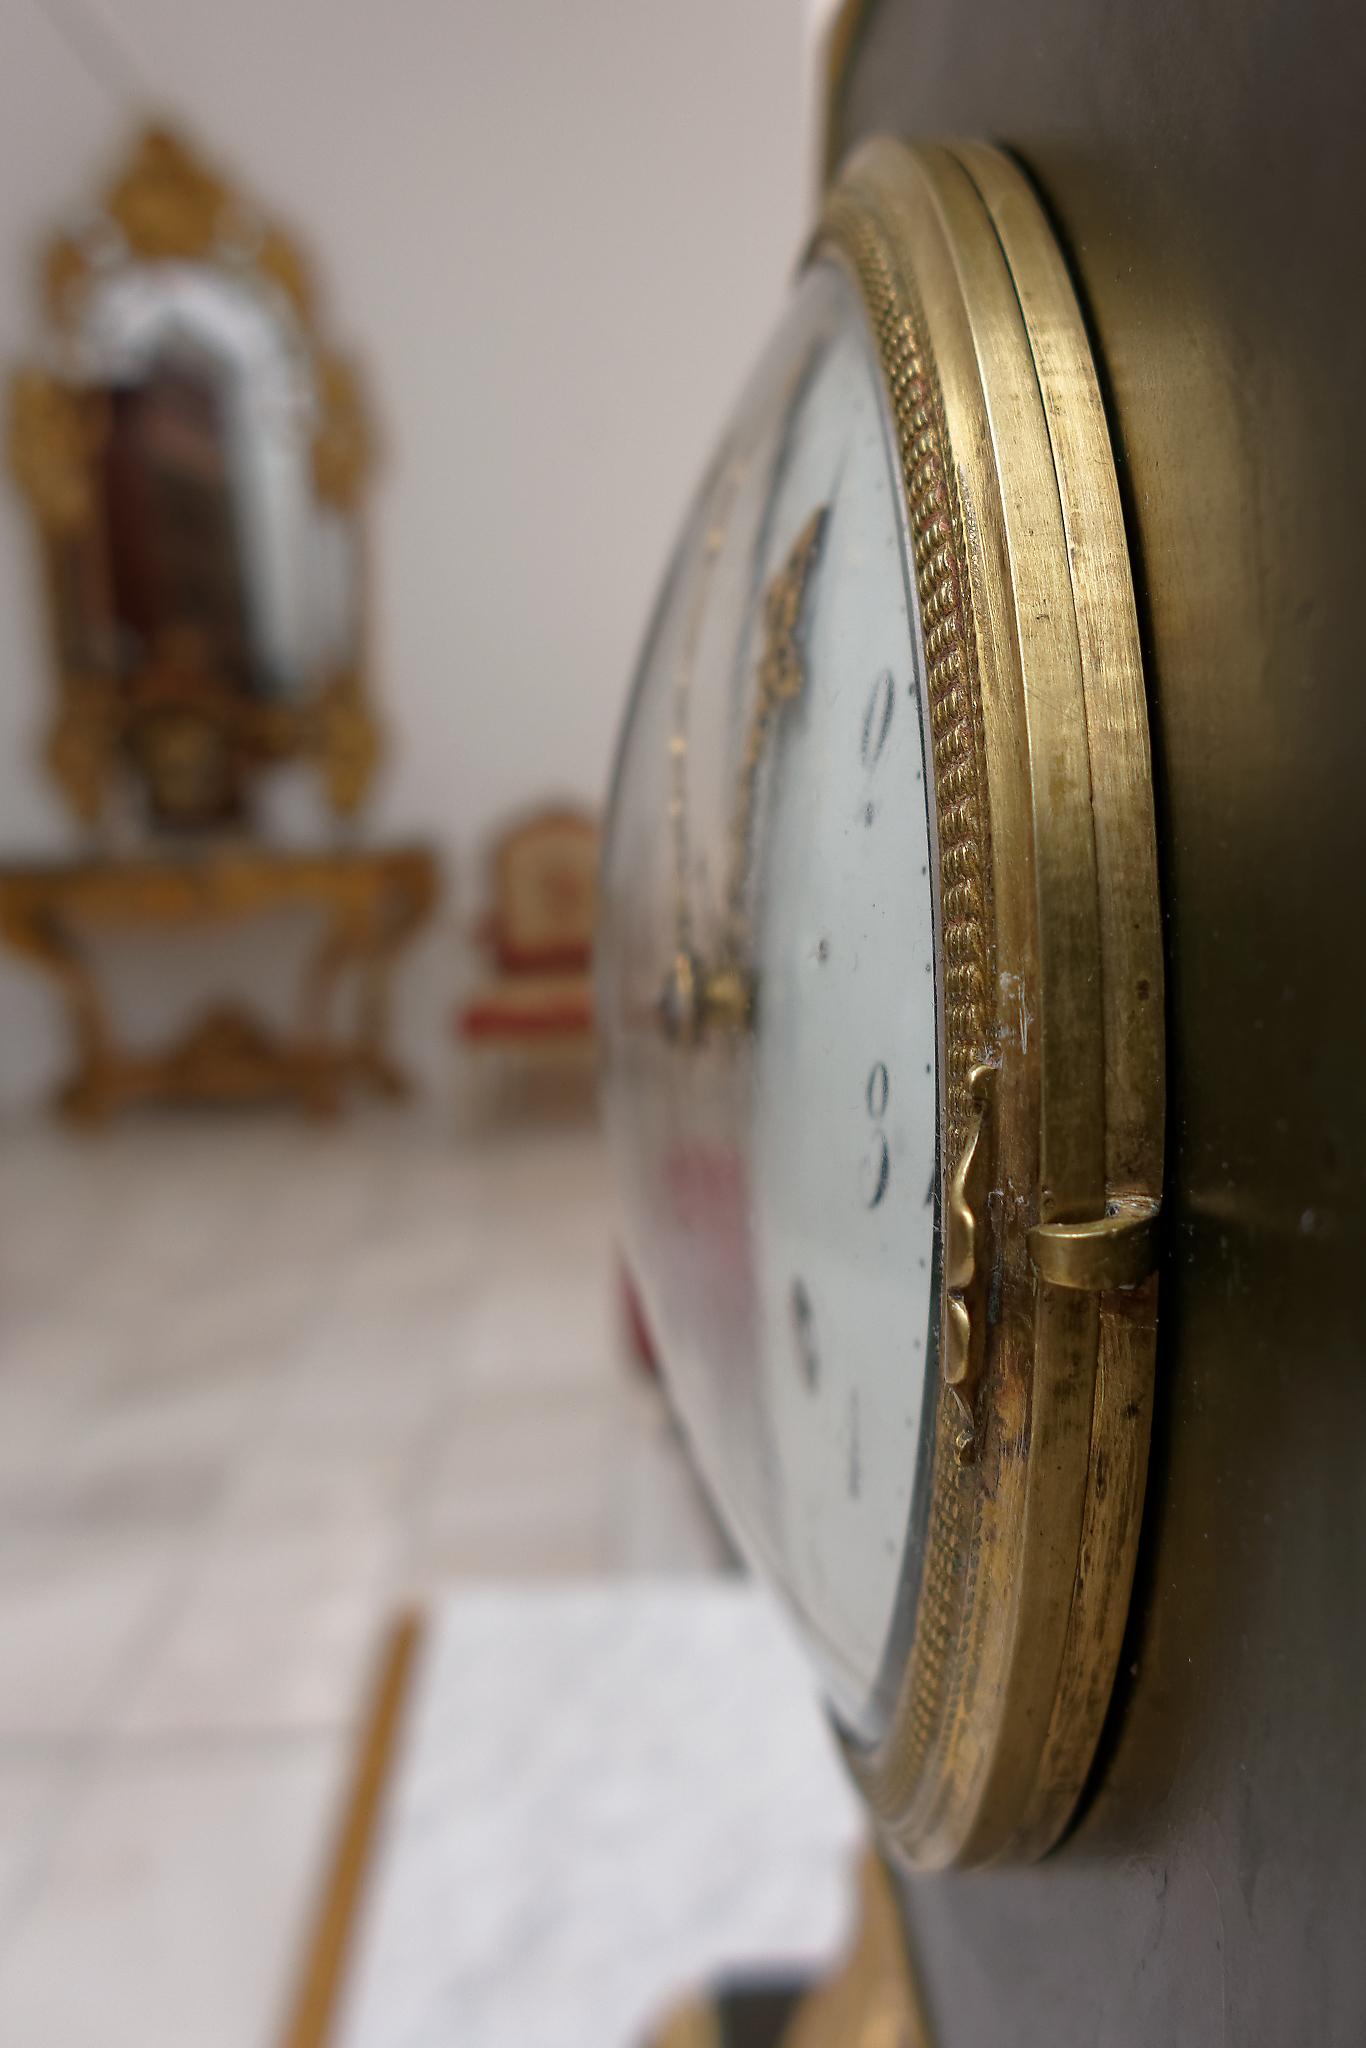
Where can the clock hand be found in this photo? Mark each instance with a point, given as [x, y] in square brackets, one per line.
[695, 995]
[681, 1003]
[679, 1009]
[780, 680]
[761, 550]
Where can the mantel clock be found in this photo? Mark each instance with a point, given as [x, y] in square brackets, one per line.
[882, 992]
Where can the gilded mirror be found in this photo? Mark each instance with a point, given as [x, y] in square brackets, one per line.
[194, 456]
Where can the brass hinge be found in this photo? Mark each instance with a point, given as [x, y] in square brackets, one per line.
[1118, 1249]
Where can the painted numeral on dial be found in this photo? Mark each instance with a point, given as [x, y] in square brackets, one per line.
[804, 1331]
[877, 1094]
[877, 719]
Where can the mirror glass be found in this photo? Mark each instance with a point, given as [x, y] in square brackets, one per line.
[216, 535]
[220, 556]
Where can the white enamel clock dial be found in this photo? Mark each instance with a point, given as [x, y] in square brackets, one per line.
[772, 829]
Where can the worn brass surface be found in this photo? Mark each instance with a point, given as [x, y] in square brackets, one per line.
[1205, 170]
[836, 56]
[314, 2015]
[694, 2025]
[1118, 1249]
[370, 905]
[870, 2001]
[166, 206]
[1051, 974]
[968, 1263]
[873, 2002]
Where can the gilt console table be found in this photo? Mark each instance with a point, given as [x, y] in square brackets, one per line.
[369, 903]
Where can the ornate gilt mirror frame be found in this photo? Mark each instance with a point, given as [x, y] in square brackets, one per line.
[166, 206]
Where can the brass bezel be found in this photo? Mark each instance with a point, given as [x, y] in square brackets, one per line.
[1050, 977]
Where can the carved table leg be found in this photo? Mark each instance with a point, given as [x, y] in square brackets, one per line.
[345, 940]
[406, 907]
[90, 1093]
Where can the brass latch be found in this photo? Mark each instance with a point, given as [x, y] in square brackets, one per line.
[966, 1265]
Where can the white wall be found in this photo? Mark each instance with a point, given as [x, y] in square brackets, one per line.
[556, 231]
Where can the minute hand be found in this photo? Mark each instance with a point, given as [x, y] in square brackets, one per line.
[780, 680]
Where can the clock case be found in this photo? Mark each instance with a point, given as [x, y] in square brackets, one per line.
[1050, 1003]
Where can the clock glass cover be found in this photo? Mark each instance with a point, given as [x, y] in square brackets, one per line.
[769, 993]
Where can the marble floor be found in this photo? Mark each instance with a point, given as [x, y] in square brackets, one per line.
[260, 1385]
[573, 1847]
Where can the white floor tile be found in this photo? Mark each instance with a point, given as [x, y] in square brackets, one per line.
[172, 1905]
[259, 1386]
[75, 1612]
[36, 1785]
[275, 1634]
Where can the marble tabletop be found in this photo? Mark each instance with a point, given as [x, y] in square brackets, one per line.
[608, 1794]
